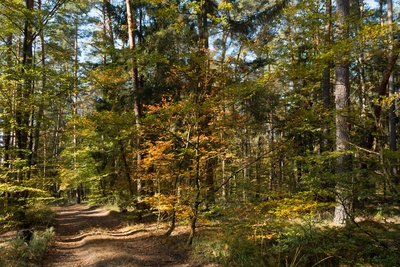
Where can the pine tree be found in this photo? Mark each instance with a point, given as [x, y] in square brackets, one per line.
[342, 101]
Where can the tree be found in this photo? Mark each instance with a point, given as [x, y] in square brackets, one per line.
[326, 83]
[392, 109]
[24, 93]
[342, 101]
[135, 86]
[26, 102]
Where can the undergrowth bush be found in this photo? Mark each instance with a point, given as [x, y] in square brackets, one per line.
[267, 239]
[40, 214]
[18, 253]
[37, 214]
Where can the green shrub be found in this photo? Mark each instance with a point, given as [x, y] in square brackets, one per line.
[40, 214]
[276, 243]
[311, 244]
[27, 254]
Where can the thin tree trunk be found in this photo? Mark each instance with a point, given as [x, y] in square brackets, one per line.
[40, 113]
[8, 110]
[326, 80]
[108, 30]
[392, 113]
[173, 215]
[126, 166]
[75, 110]
[197, 202]
[384, 91]
[203, 87]
[224, 189]
[209, 181]
[272, 183]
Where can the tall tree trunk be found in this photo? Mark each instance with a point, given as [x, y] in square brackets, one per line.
[392, 112]
[326, 80]
[79, 187]
[23, 115]
[8, 110]
[203, 88]
[135, 91]
[40, 113]
[342, 101]
[384, 90]
[24, 93]
[108, 30]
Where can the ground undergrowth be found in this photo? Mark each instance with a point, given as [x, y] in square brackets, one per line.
[260, 235]
[27, 247]
[245, 234]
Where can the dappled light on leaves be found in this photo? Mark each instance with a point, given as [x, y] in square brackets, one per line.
[253, 125]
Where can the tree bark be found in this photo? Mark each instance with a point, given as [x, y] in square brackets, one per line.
[25, 91]
[135, 91]
[392, 109]
[203, 88]
[342, 101]
[326, 76]
[108, 31]
[8, 110]
[40, 113]
[209, 180]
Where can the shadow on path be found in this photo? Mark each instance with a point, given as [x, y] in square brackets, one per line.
[87, 236]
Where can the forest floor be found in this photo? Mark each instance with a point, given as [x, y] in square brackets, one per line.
[96, 237]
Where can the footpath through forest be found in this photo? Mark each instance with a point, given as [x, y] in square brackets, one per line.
[92, 236]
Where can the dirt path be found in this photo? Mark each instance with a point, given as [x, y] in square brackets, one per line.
[95, 237]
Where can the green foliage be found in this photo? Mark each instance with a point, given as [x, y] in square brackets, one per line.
[19, 253]
[230, 247]
[306, 244]
[233, 121]
[253, 236]
[39, 214]
[29, 212]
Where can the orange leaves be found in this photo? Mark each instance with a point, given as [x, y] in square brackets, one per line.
[105, 76]
[158, 153]
[165, 103]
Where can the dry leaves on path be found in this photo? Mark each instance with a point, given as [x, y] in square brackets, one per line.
[92, 236]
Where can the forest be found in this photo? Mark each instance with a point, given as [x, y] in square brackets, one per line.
[268, 128]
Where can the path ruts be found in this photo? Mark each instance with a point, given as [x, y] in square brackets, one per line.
[94, 237]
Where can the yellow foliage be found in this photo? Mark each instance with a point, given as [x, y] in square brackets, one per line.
[157, 153]
[294, 207]
[262, 236]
